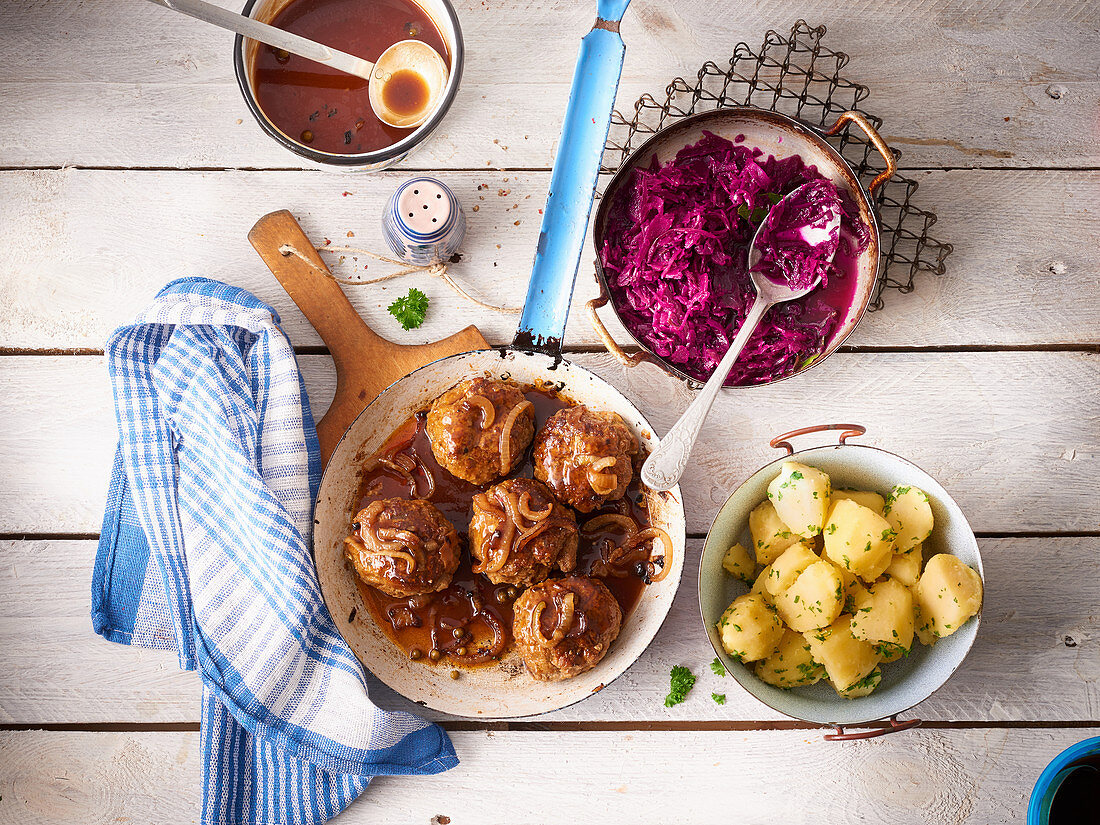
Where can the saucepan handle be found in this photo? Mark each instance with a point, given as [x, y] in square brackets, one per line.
[876, 140]
[612, 346]
[850, 431]
[842, 735]
[573, 182]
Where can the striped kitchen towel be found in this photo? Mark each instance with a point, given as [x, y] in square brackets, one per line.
[205, 550]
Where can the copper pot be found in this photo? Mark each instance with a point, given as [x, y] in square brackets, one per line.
[777, 135]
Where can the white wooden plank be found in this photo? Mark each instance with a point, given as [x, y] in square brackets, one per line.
[1037, 657]
[87, 250]
[983, 424]
[930, 777]
[957, 84]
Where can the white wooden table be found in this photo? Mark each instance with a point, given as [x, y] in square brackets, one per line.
[129, 159]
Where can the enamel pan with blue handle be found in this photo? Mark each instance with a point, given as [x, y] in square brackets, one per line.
[505, 690]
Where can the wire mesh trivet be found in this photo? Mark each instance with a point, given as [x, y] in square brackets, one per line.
[796, 76]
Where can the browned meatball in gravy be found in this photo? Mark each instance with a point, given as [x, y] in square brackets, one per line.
[480, 429]
[519, 533]
[403, 548]
[564, 627]
[585, 457]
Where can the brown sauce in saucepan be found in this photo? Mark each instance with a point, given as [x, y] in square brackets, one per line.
[472, 604]
[326, 109]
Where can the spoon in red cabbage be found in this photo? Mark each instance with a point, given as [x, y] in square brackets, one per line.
[794, 244]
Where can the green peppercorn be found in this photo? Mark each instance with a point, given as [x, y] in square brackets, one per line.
[460, 651]
[454, 674]
[512, 592]
[435, 655]
[307, 136]
[415, 653]
[458, 632]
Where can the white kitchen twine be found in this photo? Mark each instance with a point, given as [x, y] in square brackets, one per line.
[436, 270]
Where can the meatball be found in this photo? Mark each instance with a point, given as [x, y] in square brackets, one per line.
[403, 548]
[585, 457]
[519, 533]
[480, 429]
[564, 627]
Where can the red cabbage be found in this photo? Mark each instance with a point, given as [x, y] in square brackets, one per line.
[675, 258]
[800, 236]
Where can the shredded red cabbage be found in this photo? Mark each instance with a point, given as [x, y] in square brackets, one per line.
[675, 257]
[800, 236]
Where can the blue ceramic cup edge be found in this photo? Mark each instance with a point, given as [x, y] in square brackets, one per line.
[1070, 754]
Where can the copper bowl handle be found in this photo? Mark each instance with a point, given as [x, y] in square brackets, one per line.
[844, 736]
[610, 343]
[876, 141]
[850, 431]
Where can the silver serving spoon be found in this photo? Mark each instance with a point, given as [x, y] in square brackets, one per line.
[409, 55]
[666, 464]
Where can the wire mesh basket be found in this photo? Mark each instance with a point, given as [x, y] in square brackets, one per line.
[796, 76]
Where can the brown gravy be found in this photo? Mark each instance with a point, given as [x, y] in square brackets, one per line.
[409, 621]
[405, 93]
[328, 110]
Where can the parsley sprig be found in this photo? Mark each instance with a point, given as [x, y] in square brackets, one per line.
[681, 680]
[410, 309]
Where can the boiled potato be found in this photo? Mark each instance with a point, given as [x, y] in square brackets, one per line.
[864, 687]
[858, 539]
[905, 567]
[770, 536]
[872, 501]
[851, 586]
[739, 563]
[857, 592]
[785, 569]
[947, 594]
[922, 631]
[791, 665]
[813, 600]
[846, 659]
[878, 568]
[910, 516]
[884, 617]
[750, 629]
[759, 588]
[800, 495]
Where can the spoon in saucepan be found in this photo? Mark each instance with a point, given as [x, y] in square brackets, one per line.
[413, 56]
[666, 463]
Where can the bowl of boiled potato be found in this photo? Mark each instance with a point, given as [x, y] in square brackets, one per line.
[840, 584]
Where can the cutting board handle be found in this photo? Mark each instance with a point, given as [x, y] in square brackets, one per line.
[366, 363]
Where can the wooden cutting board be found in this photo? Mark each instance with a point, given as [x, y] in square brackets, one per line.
[366, 363]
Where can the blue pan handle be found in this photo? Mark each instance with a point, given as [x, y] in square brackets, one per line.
[573, 183]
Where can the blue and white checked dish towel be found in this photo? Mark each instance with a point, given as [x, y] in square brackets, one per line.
[205, 549]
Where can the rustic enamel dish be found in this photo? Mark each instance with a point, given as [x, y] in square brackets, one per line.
[906, 682]
[505, 689]
[776, 135]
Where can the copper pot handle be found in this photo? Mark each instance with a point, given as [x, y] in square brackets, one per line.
[850, 431]
[842, 735]
[610, 343]
[876, 140]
